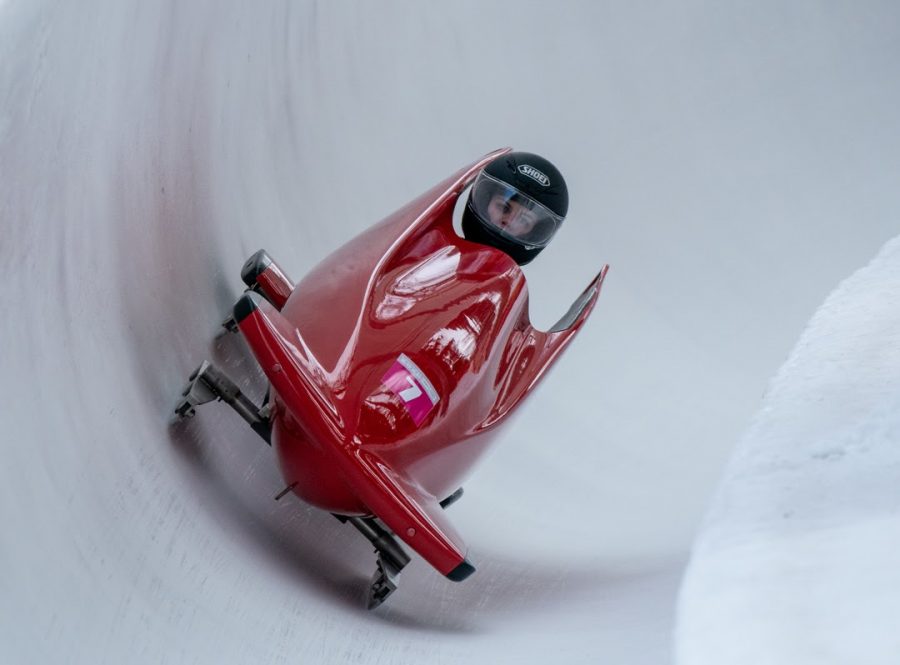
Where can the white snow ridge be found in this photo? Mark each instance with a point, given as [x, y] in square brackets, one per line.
[798, 559]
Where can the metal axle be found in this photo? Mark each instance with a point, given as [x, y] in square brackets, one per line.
[208, 383]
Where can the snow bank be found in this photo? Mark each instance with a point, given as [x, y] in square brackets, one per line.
[797, 562]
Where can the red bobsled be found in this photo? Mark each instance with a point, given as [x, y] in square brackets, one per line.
[392, 366]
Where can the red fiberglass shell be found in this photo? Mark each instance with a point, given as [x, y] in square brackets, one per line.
[394, 364]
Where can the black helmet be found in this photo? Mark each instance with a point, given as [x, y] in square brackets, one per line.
[517, 204]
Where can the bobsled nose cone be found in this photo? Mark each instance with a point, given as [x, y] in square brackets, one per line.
[244, 307]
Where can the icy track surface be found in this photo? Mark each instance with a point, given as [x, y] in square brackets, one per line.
[731, 165]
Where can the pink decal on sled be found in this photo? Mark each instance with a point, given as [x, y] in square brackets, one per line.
[410, 384]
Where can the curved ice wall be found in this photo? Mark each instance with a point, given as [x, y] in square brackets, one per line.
[728, 163]
[797, 561]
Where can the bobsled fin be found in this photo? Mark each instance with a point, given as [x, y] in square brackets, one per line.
[412, 514]
[583, 305]
[538, 352]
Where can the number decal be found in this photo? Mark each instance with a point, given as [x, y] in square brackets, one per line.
[412, 392]
[406, 380]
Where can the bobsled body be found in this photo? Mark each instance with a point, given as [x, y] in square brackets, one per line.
[394, 363]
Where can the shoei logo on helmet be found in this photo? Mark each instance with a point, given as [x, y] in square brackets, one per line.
[534, 174]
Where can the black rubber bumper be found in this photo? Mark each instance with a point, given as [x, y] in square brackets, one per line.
[255, 266]
[245, 306]
[461, 572]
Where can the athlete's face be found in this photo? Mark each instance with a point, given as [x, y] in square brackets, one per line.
[512, 217]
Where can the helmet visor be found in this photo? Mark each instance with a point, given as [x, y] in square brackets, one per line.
[511, 213]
